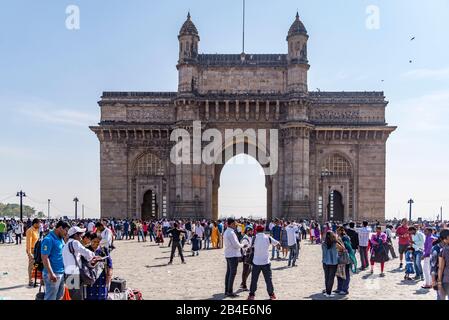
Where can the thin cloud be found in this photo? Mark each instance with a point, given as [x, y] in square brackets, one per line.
[63, 116]
[426, 73]
[428, 112]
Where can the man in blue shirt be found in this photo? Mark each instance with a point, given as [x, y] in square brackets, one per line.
[276, 234]
[51, 251]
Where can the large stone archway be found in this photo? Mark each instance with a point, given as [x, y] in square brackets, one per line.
[242, 91]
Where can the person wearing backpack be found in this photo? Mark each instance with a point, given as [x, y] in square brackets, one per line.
[71, 255]
[261, 262]
[32, 236]
[51, 251]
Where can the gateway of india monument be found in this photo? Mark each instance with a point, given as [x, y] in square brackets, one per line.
[331, 145]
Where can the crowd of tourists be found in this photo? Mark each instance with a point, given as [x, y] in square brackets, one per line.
[64, 247]
[57, 255]
[424, 245]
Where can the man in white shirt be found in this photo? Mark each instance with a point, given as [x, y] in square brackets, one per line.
[232, 254]
[199, 230]
[261, 262]
[72, 250]
[292, 230]
[105, 234]
[90, 226]
[364, 236]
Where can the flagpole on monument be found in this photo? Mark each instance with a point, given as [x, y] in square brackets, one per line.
[243, 38]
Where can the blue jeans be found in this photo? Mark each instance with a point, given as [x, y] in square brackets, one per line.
[152, 236]
[140, 234]
[343, 284]
[207, 243]
[292, 256]
[2, 237]
[418, 264]
[53, 290]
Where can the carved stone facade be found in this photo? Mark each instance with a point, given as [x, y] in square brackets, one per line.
[332, 145]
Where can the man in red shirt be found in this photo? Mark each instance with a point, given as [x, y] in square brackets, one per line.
[404, 239]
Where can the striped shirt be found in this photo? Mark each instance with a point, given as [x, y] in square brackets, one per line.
[364, 234]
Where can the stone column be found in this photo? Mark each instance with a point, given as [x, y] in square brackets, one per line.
[113, 179]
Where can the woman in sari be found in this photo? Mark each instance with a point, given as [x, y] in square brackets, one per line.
[312, 233]
[159, 235]
[317, 233]
[214, 236]
[99, 290]
[379, 250]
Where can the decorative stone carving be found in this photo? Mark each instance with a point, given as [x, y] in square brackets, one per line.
[151, 114]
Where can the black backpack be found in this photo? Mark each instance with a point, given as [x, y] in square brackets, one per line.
[37, 256]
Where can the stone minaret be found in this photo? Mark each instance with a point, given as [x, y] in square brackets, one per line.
[298, 64]
[188, 57]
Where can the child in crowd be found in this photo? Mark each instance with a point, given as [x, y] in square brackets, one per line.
[409, 263]
[195, 245]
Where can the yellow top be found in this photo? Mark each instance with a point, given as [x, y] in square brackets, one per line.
[32, 235]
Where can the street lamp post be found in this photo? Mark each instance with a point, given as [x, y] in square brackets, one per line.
[48, 210]
[21, 194]
[410, 202]
[76, 200]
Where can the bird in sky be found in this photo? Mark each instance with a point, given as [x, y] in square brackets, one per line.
[413, 38]
[410, 61]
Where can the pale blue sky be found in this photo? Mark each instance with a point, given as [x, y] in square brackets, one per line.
[52, 77]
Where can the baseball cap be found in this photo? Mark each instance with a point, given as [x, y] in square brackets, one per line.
[74, 230]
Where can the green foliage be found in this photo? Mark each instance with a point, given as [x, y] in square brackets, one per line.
[13, 210]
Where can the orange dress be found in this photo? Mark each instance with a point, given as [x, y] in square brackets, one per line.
[214, 237]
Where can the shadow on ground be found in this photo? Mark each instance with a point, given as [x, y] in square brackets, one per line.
[15, 287]
[320, 296]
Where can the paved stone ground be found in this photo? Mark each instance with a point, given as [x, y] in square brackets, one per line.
[143, 265]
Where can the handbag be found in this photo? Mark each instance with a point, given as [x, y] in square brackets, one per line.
[88, 274]
[40, 295]
[343, 258]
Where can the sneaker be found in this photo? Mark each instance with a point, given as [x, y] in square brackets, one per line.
[243, 287]
[250, 298]
[400, 265]
[170, 262]
[382, 275]
[273, 297]
[343, 293]
[31, 284]
[183, 262]
[329, 295]
[232, 295]
[417, 278]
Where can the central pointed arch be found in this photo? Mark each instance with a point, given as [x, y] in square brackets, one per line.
[245, 146]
